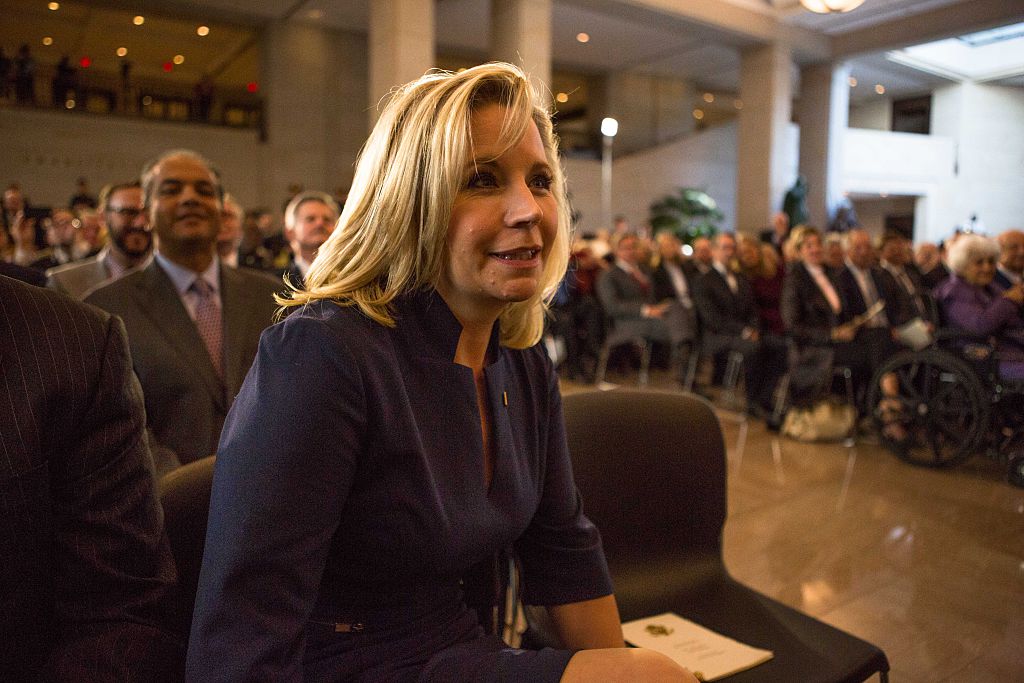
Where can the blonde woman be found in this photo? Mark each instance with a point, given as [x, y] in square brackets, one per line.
[402, 424]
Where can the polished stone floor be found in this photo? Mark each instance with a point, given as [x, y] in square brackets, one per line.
[928, 565]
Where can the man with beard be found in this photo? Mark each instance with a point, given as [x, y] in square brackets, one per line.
[129, 245]
[193, 325]
[309, 219]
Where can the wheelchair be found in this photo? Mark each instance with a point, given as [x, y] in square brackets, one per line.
[951, 404]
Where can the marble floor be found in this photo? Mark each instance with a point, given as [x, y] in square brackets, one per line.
[928, 565]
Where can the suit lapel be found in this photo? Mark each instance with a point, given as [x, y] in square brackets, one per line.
[159, 300]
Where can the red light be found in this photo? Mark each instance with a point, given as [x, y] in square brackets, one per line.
[85, 62]
[167, 67]
[252, 86]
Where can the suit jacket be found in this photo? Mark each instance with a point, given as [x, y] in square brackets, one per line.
[806, 313]
[77, 278]
[897, 303]
[722, 312]
[186, 401]
[32, 276]
[621, 295]
[84, 562]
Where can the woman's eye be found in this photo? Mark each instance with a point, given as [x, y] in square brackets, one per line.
[480, 180]
[541, 182]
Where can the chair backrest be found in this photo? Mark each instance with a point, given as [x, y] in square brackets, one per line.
[185, 496]
[651, 470]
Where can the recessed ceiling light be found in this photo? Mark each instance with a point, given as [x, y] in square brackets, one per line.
[179, 59]
[47, 40]
[147, 100]
[582, 37]
[562, 97]
[709, 97]
[54, 6]
[122, 51]
[853, 82]
[139, 20]
[880, 89]
[70, 104]
[738, 104]
[698, 114]
[203, 31]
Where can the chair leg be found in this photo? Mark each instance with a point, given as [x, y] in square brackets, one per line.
[602, 364]
[781, 396]
[732, 377]
[691, 368]
[645, 363]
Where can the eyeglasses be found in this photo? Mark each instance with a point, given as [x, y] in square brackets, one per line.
[126, 211]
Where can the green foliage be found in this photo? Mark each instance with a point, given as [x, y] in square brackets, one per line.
[688, 212]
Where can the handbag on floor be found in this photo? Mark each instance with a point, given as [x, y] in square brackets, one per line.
[824, 421]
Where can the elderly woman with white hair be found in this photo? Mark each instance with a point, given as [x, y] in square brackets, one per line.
[972, 302]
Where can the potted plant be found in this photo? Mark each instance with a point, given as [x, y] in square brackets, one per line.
[688, 212]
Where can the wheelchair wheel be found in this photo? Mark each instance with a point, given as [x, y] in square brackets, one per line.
[939, 414]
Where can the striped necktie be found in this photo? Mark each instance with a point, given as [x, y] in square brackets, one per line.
[208, 322]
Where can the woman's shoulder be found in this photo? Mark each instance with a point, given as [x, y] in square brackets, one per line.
[327, 322]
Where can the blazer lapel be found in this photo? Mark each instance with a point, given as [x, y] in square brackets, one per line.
[158, 299]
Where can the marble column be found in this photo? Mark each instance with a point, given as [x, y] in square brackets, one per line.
[521, 35]
[766, 90]
[401, 46]
[823, 114]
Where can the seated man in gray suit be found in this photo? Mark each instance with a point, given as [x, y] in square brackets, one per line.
[85, 567]
[129, 245]
[627, 294]
[193, 325]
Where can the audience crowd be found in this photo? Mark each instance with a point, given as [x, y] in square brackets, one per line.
[192, 275]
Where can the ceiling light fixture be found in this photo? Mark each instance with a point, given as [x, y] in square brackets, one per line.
[853, 82]
[831, 6]
[139, 20]
[562, 97]
[583, 37]
[698, 114]
[47, 40]
[709, 97]
[179, 59]
[122, 51]
[54, 6]
[203, 31]
[880, 89]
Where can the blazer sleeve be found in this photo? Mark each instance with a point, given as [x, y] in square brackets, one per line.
[115, 569]
[560, 551]
[965, 309]
[284, 469]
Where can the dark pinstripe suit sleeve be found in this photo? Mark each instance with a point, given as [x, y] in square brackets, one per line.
[86, 565]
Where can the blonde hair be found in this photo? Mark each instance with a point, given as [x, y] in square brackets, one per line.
[392, 235]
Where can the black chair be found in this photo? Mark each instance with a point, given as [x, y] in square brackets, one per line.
[652, 472]
[185, 496]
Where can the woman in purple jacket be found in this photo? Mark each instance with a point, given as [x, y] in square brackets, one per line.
[972, 302]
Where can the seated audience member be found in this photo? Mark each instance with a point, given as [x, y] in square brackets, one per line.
[674, 285]
[230, 235]
[251, 253]
[729, 322]
[85, 568]
[25, 251]
[701, 258]
[777, 234]
[835, 252]
[762, 266]
[130, 244]
[90, 235]
[928, 259]
[971, 301]
[193, 325]
[578, 317]
[60, 236]
[1010, 269]
[813, 314]
[864, 284]
[309, 219]
[896, 256]
[627, 295]
[418, 422]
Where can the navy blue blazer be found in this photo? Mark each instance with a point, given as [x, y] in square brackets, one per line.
[349, 489]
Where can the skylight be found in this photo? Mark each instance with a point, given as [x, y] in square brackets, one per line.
[982, 56]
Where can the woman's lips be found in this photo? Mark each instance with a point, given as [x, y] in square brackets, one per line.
[525, 255]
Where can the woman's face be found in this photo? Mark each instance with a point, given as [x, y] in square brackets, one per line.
[749, 255]
[980, 270]
[811, 252]
[503, 222]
